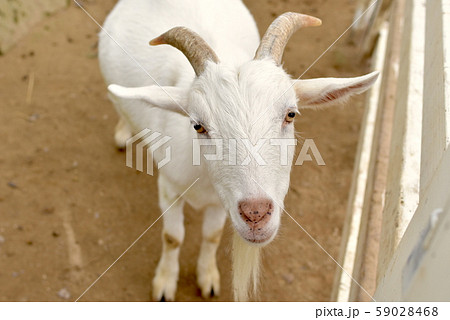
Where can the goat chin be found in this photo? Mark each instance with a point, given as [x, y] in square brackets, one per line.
[246, 266]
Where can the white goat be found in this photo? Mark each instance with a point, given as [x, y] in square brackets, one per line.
[234, 95]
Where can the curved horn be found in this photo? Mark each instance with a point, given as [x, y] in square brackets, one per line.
[277, 35]
[191, 44]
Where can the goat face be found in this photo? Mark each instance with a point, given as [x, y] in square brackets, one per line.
[245, 113]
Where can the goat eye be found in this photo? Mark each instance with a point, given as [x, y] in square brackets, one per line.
[199, 128]
[290, 117]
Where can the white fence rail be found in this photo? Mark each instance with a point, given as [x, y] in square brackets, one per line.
[397, 232]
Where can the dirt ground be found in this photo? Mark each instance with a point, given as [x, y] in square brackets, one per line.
[69, 206]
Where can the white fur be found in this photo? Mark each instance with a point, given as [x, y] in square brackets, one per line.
[245, 271]
[226, 99]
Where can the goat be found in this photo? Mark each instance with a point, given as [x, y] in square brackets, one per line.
[223, 90]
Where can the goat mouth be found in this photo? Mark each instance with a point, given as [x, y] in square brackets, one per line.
[257, 240]
[257, 236]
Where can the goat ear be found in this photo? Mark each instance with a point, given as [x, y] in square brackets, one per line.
[167, 98]
[323, 92]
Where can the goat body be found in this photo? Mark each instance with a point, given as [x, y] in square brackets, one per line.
[156, 88]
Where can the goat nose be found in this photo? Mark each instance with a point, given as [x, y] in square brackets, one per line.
[256, 212]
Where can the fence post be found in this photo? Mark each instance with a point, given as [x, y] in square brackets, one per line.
[402, 193]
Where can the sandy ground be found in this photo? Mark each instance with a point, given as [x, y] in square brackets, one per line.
[69, 206]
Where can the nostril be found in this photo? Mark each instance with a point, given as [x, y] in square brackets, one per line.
[253, 211]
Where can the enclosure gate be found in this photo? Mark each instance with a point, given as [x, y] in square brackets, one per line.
[396, 239]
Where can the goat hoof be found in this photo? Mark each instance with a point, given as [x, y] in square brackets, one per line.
[210, 291]
[163, 299]
[208, 281]
[164, 286]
